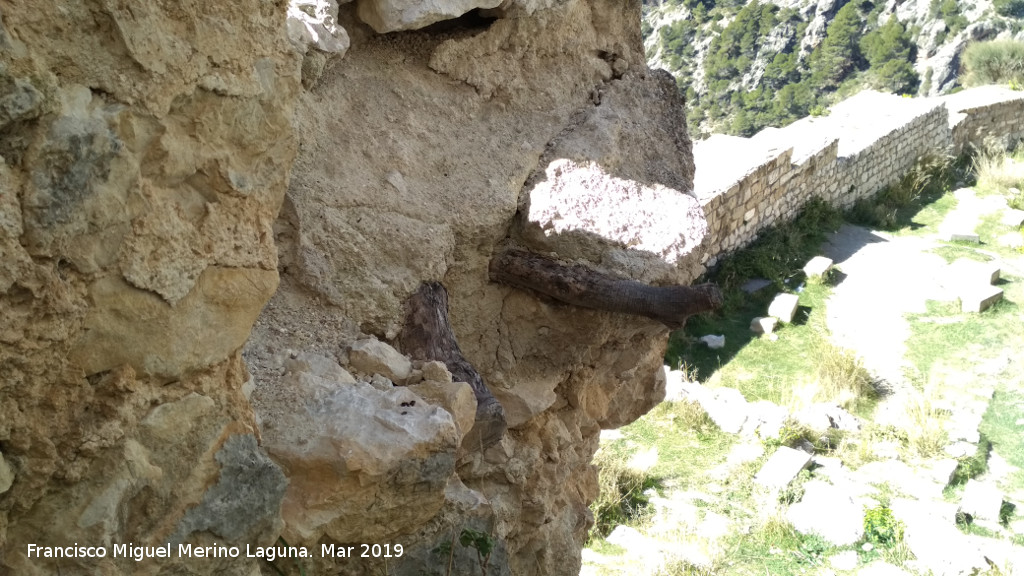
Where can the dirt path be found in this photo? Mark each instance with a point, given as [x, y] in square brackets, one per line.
[883, 278]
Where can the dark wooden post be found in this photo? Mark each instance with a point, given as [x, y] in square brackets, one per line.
[427, 335]
[582, 286]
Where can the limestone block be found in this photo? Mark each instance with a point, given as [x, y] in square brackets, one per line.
[829, 512]
[436, 371]
[765, 418]
[783, 307]
[931, 534]
[782, 467]
[389, 452]
[754, 285]
[455, 397]
[714, 342]
[322, 366]
[6, 475]
[979, 298]
[749, 214]
[135, 327]
[526, 399]
[763, 324]
[1013, 218]
[965, 237]
[726, 407]
[817, 267]
[392, 15]
[315, 23]
[375, 357]
[822, 416]
[982, 500]
[971, 272]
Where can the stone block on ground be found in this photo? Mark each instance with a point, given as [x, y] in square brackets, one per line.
[726, 407]
[829, 512]
[1011, 240]
[979, 298]
[1013, 218]
[714, 342]
[763, 324]
[822, 416]
[965, 237]
[751, 286]
[964, 272]
[765, 419]
[982, 500]
[931, 534]
[783, 307]
[376, 357]
[817, 266]
[782, 467]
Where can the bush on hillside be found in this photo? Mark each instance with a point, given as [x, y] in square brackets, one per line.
[995, 62]
[1011, 8]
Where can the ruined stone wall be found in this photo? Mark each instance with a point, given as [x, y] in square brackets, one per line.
[987, 112]
[865, 144]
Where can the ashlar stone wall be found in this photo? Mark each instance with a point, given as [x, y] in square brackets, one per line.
[866, 143]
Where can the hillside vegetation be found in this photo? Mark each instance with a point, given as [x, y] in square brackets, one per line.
[745, 66]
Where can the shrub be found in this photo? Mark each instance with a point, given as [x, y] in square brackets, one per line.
[881, 527]
[1011, 8]
[995, 62]
[843, 378]
[998, 171]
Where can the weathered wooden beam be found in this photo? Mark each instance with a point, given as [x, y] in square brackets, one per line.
[585, 287]
[427, 335]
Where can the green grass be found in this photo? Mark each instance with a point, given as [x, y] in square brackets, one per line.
[1007, 438]
[776, 548]
[687, 443]
[953, 252]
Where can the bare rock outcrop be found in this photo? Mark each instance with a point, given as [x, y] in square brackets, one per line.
[420, 155]
[167, 170]
[145, 154]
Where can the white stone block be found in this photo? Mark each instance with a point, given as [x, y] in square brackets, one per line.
[763, 324]
[982, 500]
[964, 237]
[714, 342]
[966, 272]
[979, 298]
[782, 467]
[817, 267]
[829, 512]
[783, 307]
[1013, 218]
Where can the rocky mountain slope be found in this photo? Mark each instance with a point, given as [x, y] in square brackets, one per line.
[179, 183]
[744, 66]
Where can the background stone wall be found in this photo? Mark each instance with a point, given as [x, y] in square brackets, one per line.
[865, 144]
